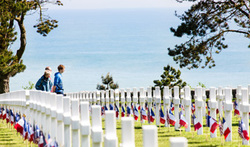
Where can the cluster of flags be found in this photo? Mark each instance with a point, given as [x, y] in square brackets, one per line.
[30, 132]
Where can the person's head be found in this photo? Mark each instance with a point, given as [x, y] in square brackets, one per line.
[47, 74]
[61, 68]
[48, 68]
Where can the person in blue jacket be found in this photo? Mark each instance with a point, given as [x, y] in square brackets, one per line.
[58, 84]
[44, 83]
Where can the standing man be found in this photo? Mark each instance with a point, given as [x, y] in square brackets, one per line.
[58, 85]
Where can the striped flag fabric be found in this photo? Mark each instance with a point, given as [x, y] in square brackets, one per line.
[208, 109]
[25, 129]
[192, 107]
[1, 112]
[117, 111]
[162, 117]
[136, 114]
[213, 124]
[144, 114]
[4, 114]
[236, 109]
[170, 118]
[226, 130]
[30, 133]
[123, 112]
[152, 116]
[12, 117]
[19, 126]
[243, 131]
[182, 121]
[128, 111]
[181, 106]
[172, 106]
[7, 116]
[221, 124]
[102, 110]
[197, 124]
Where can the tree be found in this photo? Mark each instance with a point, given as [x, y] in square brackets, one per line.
[108, 83]
[12, 15]
[206, 24]
[171, 78]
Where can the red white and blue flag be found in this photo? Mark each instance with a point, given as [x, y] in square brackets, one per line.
[1, 112]
[117, 111]
[19, 126]
[4, 114]
[123, 112]
[208, 109]
[181, 106]
[226, 130]
[213, 124]
[25, 129]
[136, 113]
[243, 133]
[183, 121]
[170, 118]
[12, 119]
[197, 124]
[152, 116]
[102, 110]
[221, 125]
[128, 111]
[162, 117]
[30, 133]
[193, 107]
[7, 116]
[172, 106]
[236, 109]
[144, 114]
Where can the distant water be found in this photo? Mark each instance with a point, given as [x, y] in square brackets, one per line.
[131, 44]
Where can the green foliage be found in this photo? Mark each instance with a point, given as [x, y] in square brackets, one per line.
[201, 84]
[171, 78]
[30, 87]
[206, 24]
[107, 82]
[12, 15]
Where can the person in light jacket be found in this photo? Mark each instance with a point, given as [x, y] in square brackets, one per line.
[44, 83]
[58, 85]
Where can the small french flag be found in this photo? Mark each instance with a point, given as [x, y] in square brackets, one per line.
[144, 114]
[162, 118]
[170, 118]
[152, 116]
[136, 113]
[183, 121]
[123, 112]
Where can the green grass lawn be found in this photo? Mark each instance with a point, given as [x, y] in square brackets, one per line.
[9, 137]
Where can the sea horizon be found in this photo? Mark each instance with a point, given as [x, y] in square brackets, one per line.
[131, 44]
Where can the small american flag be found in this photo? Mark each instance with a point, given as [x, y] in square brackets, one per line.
[240, 129]
[221, 124]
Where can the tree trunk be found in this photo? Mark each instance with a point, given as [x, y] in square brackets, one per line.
[4, 83]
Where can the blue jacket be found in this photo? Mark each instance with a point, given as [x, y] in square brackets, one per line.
[44, 84]
[58, 82]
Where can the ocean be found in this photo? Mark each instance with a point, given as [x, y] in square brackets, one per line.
[131, 44]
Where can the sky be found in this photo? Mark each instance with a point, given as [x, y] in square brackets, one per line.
[116, 4]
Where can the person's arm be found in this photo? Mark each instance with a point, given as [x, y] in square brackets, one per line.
[38, 84]
[56, 82]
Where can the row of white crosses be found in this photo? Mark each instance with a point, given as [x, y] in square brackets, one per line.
[218, 98]
[59, 116]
